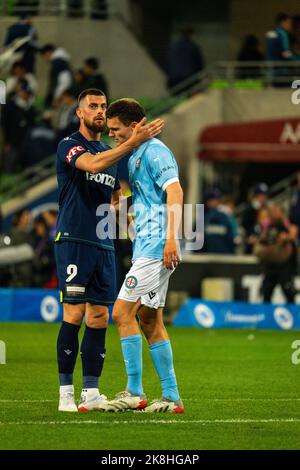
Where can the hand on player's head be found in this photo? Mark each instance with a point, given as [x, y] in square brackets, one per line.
[143, 132]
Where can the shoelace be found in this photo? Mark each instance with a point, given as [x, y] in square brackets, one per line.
[157, 400]
[124, 394]
[69, 396]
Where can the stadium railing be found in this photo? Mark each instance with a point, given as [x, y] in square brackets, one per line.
[14, 185]
[230, 74]
[98, 9]
[279, 193]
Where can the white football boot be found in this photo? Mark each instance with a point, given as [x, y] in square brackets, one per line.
[125, 401]
[91, 400]
[67, 399]
[165, 406]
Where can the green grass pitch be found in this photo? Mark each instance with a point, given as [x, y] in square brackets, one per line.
[239, 392]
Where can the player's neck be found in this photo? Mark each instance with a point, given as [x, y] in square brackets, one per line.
[89, 135]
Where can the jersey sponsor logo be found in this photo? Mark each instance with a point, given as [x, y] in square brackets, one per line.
[73, 152]
[163, 170]
[102, 178]
[152, 295]
[131, 282]
[138, 163]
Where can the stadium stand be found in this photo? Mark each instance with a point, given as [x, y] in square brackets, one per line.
[220, 100]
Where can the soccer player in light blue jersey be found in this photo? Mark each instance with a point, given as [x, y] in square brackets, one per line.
[157, 200]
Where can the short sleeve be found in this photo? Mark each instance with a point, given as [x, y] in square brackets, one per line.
[162, 166]
[69, 150]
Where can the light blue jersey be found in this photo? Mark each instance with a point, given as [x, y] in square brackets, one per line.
[152, 167]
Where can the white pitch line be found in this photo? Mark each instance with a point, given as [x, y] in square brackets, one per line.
[27, 401]
[184, 399]
[240, 399]
[157, 421]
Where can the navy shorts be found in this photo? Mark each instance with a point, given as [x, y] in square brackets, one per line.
[86, 273]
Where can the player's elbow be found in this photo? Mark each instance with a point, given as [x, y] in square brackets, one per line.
[92, 170]
[180, 192]
[95, 167]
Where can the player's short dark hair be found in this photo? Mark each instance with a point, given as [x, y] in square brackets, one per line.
[47, 48]
[127, 110]
[282, 17]
[89, 91]
[92, 62]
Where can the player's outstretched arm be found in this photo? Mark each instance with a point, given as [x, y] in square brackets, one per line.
[142, 132]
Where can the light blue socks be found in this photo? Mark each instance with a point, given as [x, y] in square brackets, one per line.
[132, 353]
[162, 357]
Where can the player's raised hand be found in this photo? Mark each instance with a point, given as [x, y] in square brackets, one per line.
[143, 132]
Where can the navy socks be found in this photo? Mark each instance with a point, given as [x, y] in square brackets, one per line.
[67, 350]
[92, 356]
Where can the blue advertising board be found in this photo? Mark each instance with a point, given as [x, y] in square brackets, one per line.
[207, 314]
[38, 305]
[31, 305]
[42, 305]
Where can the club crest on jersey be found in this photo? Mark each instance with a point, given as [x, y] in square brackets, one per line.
[138, 164]
[131, 282]
[73, 152]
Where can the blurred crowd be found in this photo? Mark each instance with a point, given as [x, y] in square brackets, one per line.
[31, 127]
[185, 57]
[282, 43]
[39, 233]
[223, 233]
[266, 230]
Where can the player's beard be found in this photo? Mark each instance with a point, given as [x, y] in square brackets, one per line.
[94, 126]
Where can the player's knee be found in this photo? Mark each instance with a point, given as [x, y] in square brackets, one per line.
[98, 320]
[117, 316]
[148, 324]
[73, 316]
[121, 317]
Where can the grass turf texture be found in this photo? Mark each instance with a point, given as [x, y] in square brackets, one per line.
[239, 393]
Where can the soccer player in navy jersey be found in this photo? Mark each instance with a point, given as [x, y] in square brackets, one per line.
[87, 179]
